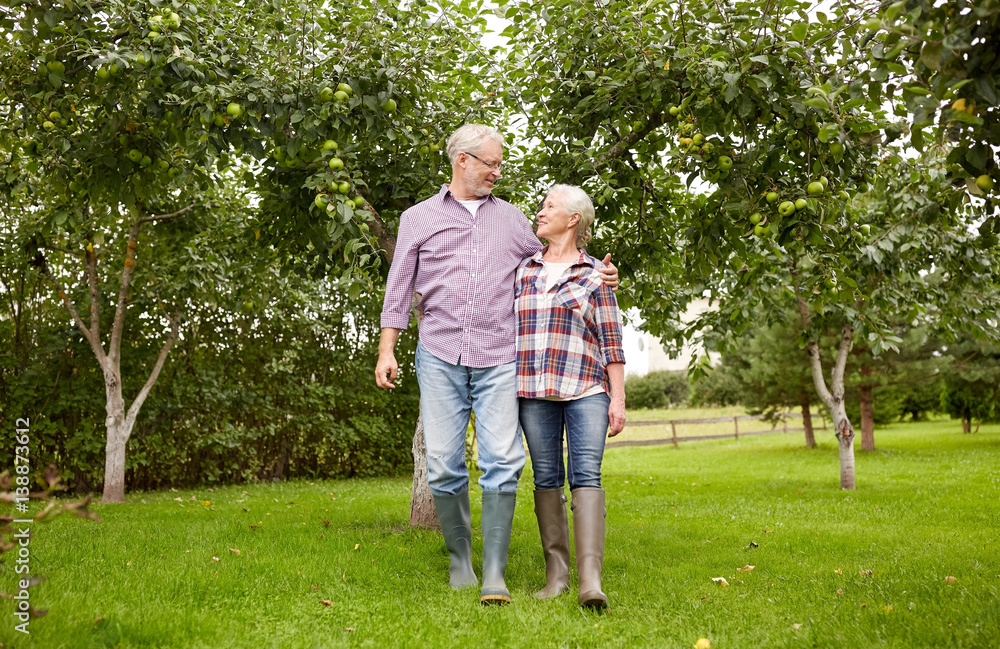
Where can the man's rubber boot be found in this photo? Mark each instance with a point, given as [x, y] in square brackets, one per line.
[456, 526]
[553, 526]
[588, 529]
[498, 517]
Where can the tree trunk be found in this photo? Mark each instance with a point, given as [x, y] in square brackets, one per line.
[117, 438]
[807, 424]
[845, 439]
[114, 465]
[867, 416]
[422, 511]
[867, 412]
[966, 425]
[833, 396]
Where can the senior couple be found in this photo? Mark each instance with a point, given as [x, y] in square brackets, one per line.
[516, 332]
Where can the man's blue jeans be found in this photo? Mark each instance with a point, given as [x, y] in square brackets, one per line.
[586, 423]
[448, 394]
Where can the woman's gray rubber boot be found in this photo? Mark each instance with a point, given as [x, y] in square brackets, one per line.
[498, 517]
[553, 527]
[456, 526]
[588, 530]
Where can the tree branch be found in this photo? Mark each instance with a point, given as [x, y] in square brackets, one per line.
[95, 343]
[114, 346]
[384, 237]
[164, 217]
[133, 410]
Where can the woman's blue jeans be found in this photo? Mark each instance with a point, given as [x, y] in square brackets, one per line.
[586, 424]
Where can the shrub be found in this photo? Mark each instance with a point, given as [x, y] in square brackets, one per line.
[661, 389]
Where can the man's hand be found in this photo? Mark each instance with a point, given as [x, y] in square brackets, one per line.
[616, 416]
[609, 274]
[386, 370]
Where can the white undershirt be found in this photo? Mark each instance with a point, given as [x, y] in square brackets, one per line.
[473, 205]
[553, 272]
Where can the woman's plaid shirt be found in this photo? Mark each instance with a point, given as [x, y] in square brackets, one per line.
[567, 336]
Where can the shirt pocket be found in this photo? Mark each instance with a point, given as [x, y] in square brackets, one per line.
[573, 297]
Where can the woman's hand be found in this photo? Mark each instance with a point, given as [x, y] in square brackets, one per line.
[616, 416]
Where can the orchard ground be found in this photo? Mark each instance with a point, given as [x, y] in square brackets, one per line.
[909, 559]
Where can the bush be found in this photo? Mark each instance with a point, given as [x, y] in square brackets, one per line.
[662, 389]
[241, 398]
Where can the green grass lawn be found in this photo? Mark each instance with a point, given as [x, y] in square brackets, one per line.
[164, 571]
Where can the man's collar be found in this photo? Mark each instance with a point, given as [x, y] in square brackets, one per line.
[446, 190]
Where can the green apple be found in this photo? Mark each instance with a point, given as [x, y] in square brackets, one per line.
[865, 228]
[234, 110]
[135, 155]
[340, 95]
[321, 201]
[326, 94]
[102, 74]
[786, 208]
[755, 218]
[389, 106]
[801, 203]
[984, 183]
[336, 164]
[145, 161]
[343, 87]
[330, 145]
[815, 188]
[772, 197]
[47, 125]
[698, 138]
[344, 187]
[674, 111]
[219, 120]
[725, 162]
[761, 230]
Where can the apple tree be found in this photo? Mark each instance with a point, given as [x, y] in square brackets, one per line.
[729, 149]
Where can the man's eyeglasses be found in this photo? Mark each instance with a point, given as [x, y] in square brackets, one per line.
[495, 166]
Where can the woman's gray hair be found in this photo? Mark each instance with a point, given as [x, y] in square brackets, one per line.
[575, 199]
[470, 138]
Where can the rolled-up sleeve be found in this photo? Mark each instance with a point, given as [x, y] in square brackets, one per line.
[402, 277]
[608, 323]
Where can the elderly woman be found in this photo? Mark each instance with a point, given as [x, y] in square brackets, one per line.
[570, 376]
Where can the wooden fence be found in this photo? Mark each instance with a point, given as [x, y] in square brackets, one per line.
[674, 439]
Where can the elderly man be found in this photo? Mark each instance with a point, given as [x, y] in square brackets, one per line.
[460, 250]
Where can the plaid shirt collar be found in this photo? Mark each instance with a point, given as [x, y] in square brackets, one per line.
[583, 260]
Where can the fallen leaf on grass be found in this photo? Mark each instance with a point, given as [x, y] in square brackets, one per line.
[721, 581]
[326, 602]
[751, 546]
[357, 545]
[215, 559]
[316, 587]
[193, 498]
[862, 573]
[703, 643]
[950, 579]
[326, 523]
[746, 568]
[796, 626]
[840, 591]
[887, 607]
[210, 489]
[951, 624]
[348, 628]
[101, 619]
[206, 503]
[178, 499]
[234, 551]
[768, 531]
[839, 571]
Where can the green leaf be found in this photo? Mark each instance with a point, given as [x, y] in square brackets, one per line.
[800, 31]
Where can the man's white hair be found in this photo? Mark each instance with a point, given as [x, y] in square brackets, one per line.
[575, 200]
[470, 138]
